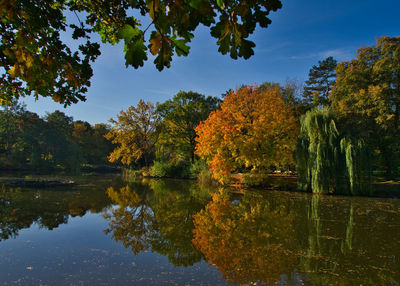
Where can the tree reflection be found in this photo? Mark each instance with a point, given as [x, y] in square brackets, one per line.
[261, 237]
[157, 216]
[132, 222]
[174, 207]
[251, 240]
[20, 208]
[317, 239]
[348, 242]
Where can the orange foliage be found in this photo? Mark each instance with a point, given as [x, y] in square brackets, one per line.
[254, 129]
[250, 241]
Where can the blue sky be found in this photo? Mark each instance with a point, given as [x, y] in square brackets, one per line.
[302, 33]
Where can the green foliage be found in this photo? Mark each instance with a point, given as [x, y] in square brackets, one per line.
[37, 61]
[327, 160]
[358, 164]
[200, 170]
[55, 141]
[180, 116]
[178, 169]
[157, 215]
[317, 152]
[161, 169]
[320, 83]
[181, 169]
[197, 167]
[366, 99]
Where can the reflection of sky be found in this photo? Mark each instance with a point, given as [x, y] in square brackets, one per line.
[302, 33]
[79, 253]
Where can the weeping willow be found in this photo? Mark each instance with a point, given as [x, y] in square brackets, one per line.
[358, 165]
[327, 161]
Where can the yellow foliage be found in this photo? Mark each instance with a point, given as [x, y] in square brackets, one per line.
[156, 44]
[134, 133]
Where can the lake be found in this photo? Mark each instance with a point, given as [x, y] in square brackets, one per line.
[105, 230]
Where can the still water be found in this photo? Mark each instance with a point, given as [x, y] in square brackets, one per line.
[108, 231]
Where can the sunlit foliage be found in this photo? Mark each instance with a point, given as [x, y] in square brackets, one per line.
[134, 132]
[252, 130]
[366, 98]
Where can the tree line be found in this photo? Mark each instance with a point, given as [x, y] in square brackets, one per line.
[52, 142]
[336, 130]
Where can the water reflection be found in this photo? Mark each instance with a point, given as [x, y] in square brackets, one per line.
[352, 241]
[20, 208]
[157, 216]
[257, 237]
[251, 241]
[320, 240]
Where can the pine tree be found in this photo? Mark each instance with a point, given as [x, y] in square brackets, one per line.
[319, 85]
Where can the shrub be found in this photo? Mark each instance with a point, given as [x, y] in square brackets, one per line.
[179, 169]
[200, 170]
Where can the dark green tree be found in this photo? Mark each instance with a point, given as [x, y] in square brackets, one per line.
[61, 149]
[9, 117]
[31, 144]
[101, 146]
[180, 116]
[28, 141]
[321, 79]
[91, 141]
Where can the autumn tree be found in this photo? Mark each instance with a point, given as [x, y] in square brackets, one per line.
[36, 60]
[367, 98]
[180, 116]
[134, 133]
[291, 91]
[253, 130]
[321, 79]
